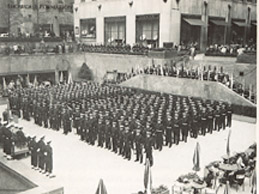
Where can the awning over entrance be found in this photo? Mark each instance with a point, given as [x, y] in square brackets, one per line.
[219, 22]
[241, 24]
[194, 22]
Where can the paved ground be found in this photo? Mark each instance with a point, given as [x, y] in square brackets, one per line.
[79, 166]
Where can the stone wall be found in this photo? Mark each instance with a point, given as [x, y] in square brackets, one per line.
[101, 63]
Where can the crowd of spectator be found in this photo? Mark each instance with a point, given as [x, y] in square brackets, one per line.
[230, 50]
[198, 73]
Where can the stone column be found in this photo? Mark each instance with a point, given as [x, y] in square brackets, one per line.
[204, 29]
[130, 29]
[248, 25]
[100, 29]
[227, 33]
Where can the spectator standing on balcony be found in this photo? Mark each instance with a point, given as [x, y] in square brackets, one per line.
[15, 48]
[240, 50]
[192, 51]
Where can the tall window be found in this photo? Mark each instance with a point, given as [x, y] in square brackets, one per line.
[115, 29]
[147, 30]
[88, 28]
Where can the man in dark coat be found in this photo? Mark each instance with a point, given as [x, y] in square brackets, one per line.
[33, 146]
[139, 146]
[229, 115]
[40, 153]
[149, 143]
[48, 159]
[168, 131]
[176, 130]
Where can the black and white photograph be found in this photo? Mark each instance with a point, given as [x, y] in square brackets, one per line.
[128, 97]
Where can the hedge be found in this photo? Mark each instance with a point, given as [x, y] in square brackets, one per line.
[244, 110]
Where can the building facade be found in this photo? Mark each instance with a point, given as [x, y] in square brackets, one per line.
[161, 21]
[29, 17]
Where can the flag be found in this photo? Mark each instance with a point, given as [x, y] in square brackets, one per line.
[35, 82]
[196, 158]
[162, 71]
[4, 84]
[226, 189]
[28, 80]
[147, 177]
[101, 189]
[250, 91]
[69, 79]
[231, 81]
[61, 79]
[254, 182]
[228, 149]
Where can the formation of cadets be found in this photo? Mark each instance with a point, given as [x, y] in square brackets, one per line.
[123, 120]
[41, 153]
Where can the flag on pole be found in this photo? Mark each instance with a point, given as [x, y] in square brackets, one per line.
[228, 140]
[28, 80]
[101, 189]
[254, 182]
[4, 84]
[162, 71]
[196, 158]
[231, 81]
[226, 189]
[61, 79]
[35, 82]
[147, 178]
[69, 79]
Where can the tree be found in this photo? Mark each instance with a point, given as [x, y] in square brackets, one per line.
[85, 72]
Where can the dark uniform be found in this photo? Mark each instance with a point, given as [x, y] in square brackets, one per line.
[33, 147]
[229, 116]
[184, 128]
[176, 131]
[40, 152]
[139, 146]
[48, 158]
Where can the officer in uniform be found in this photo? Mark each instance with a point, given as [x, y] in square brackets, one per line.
[127, 143]
[45, 115]
[139, 146]
[184, 127]
[33, 146]
[210, 120]
[158, 130]
[223, 116]
[100, 132]
[76, 118]
[107, 135]
[203, 122]
[82, 127]
[48, 159]
[169, 131]
[40, 153]
[229, 115]
[114, 137]
[176, 129]
[149, 143]
[217, 119]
